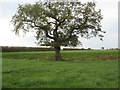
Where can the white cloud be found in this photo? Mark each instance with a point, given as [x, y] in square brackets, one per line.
[110, 25]
[7, 37]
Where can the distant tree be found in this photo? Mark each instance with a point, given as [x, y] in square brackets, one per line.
[102, 48]
[59, 24]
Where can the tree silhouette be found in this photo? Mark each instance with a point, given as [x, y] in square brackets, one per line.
[59, 24]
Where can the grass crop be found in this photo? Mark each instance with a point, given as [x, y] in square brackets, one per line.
[51, 74]
[67, 55]
[24, 70]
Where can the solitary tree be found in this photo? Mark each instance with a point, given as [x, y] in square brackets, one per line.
[59, 23]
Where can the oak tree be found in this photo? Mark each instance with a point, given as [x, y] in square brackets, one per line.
[59, 23]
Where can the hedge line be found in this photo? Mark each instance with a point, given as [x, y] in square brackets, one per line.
[76, 49]
[24, 49]
[27, 49]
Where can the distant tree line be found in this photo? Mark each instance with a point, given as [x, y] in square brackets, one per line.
[76, 49]
[27, 49]
[24, 49]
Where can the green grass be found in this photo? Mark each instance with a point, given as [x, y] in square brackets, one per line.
[67, 55]
[21, 72]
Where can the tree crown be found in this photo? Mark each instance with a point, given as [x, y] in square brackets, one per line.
[59, 23]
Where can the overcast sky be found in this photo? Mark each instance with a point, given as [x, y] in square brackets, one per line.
[109, 24]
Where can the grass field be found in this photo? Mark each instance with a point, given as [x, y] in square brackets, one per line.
[96, 69]
[67, 55]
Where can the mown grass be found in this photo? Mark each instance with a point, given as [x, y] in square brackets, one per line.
[21, 72]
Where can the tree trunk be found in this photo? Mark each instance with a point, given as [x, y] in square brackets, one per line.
[57, 53]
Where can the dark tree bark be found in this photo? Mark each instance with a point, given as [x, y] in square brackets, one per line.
[57, 53]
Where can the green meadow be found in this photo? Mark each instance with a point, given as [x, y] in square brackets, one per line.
[81, 69]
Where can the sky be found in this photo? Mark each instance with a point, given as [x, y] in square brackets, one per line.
[109, 10]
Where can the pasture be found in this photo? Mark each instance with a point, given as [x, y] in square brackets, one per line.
[90, 69]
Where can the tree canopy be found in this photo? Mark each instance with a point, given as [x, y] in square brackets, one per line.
[59, 23]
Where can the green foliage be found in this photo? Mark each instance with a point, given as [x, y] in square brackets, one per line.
[59, 23]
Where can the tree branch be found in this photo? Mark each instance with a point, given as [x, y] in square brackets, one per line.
[46, 33]
[70, 34]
